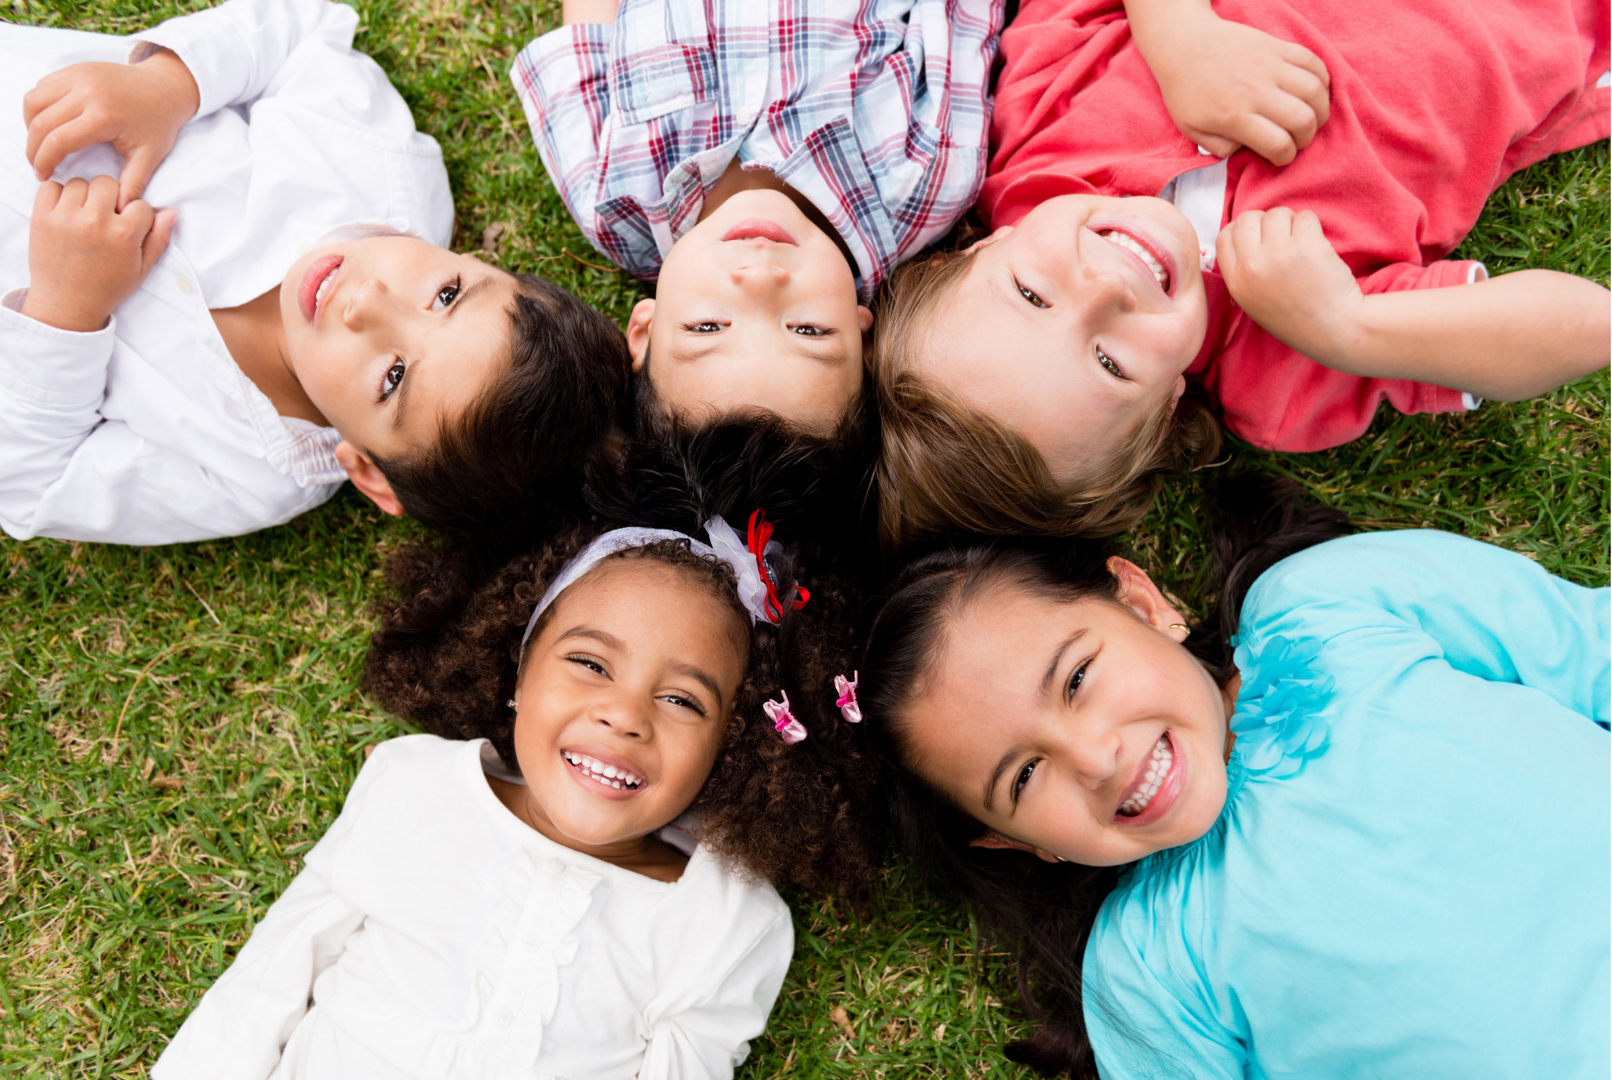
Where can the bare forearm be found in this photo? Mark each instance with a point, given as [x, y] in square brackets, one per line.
[588, 11]
[1508, 338]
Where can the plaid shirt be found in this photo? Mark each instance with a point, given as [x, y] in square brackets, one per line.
[875, 110]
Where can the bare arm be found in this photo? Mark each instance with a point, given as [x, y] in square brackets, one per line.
[1229, 85]
[588, 11]
[1507, 338]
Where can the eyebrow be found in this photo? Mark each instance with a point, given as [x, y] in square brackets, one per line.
[996, 776]
[470, 291]
[613, 642]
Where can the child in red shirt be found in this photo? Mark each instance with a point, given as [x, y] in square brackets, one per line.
[1072, 329]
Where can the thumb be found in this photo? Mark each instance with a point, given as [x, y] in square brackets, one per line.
[156, 241]
[137, 170]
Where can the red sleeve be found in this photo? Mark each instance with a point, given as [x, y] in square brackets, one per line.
[1277, 398]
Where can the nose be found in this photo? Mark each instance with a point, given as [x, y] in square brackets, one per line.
[757, 276]
[367, 303]
[1095, 757]
[624, 716]
[1103, 291]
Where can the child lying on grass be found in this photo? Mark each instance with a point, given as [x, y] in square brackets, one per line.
[260, 305]
[508, 894]
[1353, 824]
[766, 165]
[1031, 383]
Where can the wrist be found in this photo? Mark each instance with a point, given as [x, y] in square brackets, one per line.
[178, 85]
[1161, 26]
[42, 308]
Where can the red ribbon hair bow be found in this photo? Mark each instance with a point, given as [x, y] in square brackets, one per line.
[760, 534]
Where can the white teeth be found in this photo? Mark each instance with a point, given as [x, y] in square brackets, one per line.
[1114, 236]
[610, 776]
[1157, 769]
[324, 288]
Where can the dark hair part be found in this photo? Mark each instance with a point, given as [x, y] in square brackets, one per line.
[517, 453]
[1045, 912]
[945, 467]
[446, 656]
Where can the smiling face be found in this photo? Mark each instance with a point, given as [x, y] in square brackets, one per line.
[755, 308]
[1080, 729]
[623, 703]
[390, 335]
[1074, 327]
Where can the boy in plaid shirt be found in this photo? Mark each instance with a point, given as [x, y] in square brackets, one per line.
[767, 164]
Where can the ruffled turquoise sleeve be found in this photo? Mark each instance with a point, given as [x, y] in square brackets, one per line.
[1482, 610]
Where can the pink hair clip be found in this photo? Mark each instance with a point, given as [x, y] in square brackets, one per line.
[789, 729]
[846, 689]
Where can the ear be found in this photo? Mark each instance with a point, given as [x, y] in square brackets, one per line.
[1138, 593]
[1180, 388]
[986, 242]
[997, 842]
[368, 478]
[638, 332]
[864, 317]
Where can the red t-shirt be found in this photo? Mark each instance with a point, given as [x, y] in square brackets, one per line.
[1434, 104]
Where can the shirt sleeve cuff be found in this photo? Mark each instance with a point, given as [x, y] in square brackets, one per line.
[218, 76]
[73, 364]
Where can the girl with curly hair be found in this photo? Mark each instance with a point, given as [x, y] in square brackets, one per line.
[1330, 831]
[569, 875]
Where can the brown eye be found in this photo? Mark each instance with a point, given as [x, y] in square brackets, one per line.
[1108, 363]
[1031, 296]
[392, 379]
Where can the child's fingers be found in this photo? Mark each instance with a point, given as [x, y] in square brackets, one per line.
[1307, 226]
[1218, 145]
[156, 241]
[1291, 115]
[49, 90]
[102, 196]
[137, 171]
[46, 198]
[1268, 139]
[1304, 86]
[1299, 56]
[56, 144]
[74, 192]
[45, 122]
[1275, 225]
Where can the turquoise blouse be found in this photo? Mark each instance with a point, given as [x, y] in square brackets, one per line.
[1410, 877]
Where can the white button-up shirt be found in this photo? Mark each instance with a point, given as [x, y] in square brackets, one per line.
[434, 934]
[147, 432]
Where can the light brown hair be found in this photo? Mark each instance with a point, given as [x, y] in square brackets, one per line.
[945, 467]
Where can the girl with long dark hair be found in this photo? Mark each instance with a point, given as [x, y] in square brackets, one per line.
[1353, 823]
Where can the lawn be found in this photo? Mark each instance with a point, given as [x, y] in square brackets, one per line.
[180, 724]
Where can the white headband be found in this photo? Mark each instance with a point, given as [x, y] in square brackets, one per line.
[725, 545]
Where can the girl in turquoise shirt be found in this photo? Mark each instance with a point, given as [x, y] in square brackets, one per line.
[1355, 826]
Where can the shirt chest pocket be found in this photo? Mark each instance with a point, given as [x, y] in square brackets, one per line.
[662, 61]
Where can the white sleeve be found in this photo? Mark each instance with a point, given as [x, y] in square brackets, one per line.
[712, 1038]
[233, 50]
[241, 1025]
[68, 472]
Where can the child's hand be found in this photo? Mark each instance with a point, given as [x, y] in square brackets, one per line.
[1283, 273]
[138, 108]
[1229, 85]
[85, 256]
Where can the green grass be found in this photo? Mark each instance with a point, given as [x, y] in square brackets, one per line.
[180, 724]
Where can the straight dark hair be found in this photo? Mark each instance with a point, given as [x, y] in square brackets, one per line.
[1044, 912]
[513, 462]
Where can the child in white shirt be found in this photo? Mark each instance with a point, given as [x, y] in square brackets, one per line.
[512, 900]
[182, 364]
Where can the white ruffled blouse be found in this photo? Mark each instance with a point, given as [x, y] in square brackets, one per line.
[433, 934]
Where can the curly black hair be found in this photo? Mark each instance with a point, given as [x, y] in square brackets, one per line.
[446, 654]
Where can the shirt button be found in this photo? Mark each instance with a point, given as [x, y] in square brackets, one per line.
[185, 286]
[502, 1018]
[557, 865]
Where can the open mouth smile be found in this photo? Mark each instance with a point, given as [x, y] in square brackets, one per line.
[1158, 782]
[316, 284]
[614, 777]
[1135, 246]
